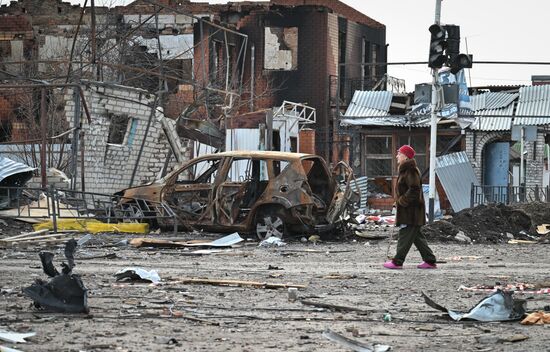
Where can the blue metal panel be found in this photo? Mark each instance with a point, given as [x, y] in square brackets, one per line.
[497, 163]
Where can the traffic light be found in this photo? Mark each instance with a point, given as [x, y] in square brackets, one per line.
[438, 44]
[456, 60]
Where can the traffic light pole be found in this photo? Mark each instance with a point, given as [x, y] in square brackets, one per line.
[433, 146]
[433, 128]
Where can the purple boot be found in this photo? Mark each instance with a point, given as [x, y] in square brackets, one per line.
[391, 265]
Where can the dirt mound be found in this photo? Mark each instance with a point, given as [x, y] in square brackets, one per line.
[493, 223]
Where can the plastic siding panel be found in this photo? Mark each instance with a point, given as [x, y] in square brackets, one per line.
[458, 189]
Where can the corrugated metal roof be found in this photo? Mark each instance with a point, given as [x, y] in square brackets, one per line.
[457, 189]
[493, 104]
[369, 103]
[495, 100]
[533, 101]
[9, 167]
[478, 101]
[394, 121]
[498, 123]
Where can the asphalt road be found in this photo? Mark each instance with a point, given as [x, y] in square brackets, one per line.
[175, 315]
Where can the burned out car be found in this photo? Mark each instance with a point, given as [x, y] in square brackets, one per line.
[264, 192]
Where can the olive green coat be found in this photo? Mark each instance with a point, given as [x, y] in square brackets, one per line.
[411, 209]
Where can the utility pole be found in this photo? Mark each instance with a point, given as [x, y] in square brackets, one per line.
[433, 127]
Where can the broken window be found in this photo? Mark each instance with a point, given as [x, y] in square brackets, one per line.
[204, 171]
[342, 38]
[374, 59]
[419, 144]
[365, 68]
[278, 166]
[379, 156]
[281, 48]
[240, 170]
[216, 61]
[117, 129]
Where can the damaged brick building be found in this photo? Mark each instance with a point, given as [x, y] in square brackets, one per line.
[216, 63]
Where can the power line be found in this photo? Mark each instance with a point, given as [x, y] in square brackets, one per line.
[543, 63]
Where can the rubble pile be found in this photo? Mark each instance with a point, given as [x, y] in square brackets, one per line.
[493, 223]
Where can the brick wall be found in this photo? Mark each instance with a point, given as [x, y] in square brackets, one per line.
[109, 167]
[307, 141]
[534, 159]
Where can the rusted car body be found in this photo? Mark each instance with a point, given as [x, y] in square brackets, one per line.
[264, 192]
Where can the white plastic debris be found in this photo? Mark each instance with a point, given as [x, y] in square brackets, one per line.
[272, 242]
[138, 274]
[461, 237]
[360, 218]
[15, 337]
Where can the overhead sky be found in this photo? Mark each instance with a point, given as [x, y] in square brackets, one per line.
[494, 30]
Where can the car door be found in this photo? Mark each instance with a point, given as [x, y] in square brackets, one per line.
[190, 191]
[244, 184]
[346, 194]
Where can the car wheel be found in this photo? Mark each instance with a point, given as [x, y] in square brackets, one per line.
[270, 224]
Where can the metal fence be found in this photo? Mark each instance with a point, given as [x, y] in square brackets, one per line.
[54, 204]
[507, 194]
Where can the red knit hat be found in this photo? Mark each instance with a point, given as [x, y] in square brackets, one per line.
[407, 150]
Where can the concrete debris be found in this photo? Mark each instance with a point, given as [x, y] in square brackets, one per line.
[461, 237]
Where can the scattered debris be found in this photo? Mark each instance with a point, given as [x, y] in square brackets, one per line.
[543, 229]
[518, 288]
[7, 349]
[36, 237]
[226, 241]
[333, 307]
[521, 242]
[353, 344]
[272, 242]
[536, 318]
[500, 306]
[224, 282]
[14, 337]
[137, 274]
[461, 237]
[292, 294]
[491, 339]
[65, 292]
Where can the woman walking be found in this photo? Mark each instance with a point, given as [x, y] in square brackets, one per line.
[411, 213]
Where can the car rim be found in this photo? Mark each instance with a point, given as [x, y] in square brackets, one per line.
[270, 226]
